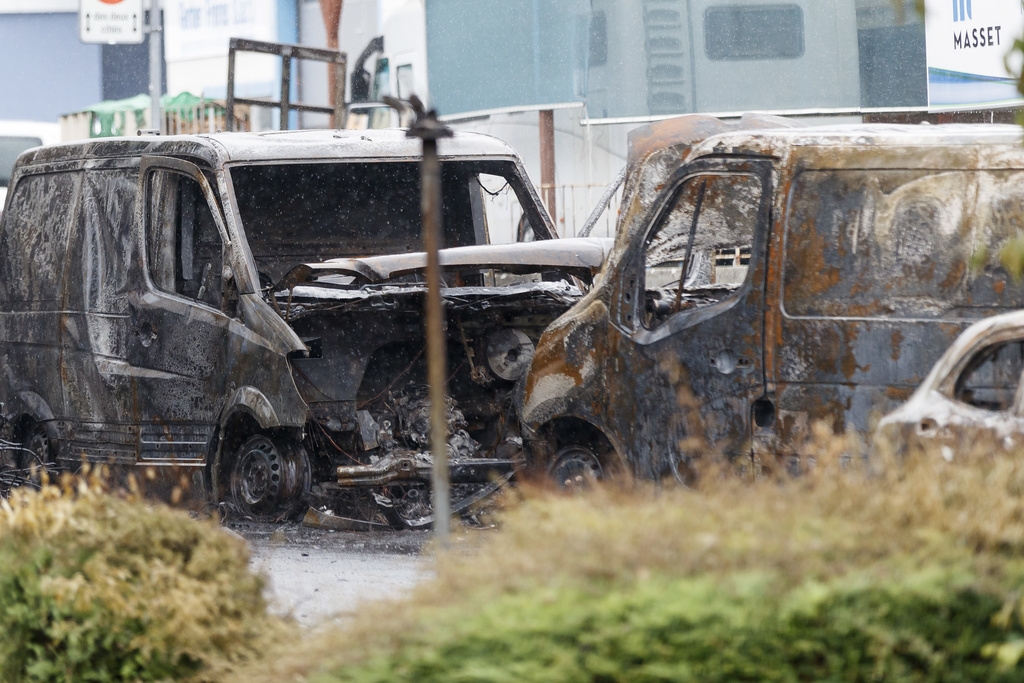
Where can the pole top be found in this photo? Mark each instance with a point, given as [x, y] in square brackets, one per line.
[426, 125]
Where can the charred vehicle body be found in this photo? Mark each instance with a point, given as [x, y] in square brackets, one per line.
[768, 276]
[971, 403]
[171, 303]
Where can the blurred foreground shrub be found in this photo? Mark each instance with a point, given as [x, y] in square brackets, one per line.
[909, 573]
[98, 588]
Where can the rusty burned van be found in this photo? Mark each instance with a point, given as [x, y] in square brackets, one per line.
[765, 279]
[143, 319]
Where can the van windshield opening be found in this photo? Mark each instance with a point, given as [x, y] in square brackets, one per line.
[700, 251]
[311, 212]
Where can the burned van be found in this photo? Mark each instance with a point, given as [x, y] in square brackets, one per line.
[163, 304]
[766, 279]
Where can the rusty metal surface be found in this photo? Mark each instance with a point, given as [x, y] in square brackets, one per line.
[139, 328]
[874, 248]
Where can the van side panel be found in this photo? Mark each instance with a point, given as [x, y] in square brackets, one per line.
[882, 270]
[34, 236]
[98, 384]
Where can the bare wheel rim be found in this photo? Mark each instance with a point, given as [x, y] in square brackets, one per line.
[257, 473]
[269, 478]
[576, 467]
[39, 443]
[41, 455]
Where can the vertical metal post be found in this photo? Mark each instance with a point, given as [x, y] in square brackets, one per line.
[429, 129]
[229, 106]
[338, 98]
[156, 75]
[286, 87]
[547, 161]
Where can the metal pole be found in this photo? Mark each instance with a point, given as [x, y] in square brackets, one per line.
[547, 162]
[229, 107]
[156, 76]
[429, 129]
[437, 361]
[286, 87]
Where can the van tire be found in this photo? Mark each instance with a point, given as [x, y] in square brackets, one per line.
[575, 467]
[269, 478]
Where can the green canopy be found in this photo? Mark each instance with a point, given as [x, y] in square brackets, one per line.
[112, 114]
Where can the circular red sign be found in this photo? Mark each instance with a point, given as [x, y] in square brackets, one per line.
[111, 2]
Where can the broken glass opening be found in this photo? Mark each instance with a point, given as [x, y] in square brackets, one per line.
[312, 212]
[704, 242]
[990, 381]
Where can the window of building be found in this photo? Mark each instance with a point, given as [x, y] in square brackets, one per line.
[739, 32]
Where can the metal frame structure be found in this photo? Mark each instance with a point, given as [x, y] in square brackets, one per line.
[288, 53]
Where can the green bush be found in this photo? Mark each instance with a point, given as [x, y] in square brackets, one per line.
[98, 588]
[920, 627]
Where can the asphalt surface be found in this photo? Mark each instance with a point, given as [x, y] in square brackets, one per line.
[316, 575]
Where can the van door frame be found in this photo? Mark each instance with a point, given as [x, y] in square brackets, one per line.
[627, 297]
[148, 300]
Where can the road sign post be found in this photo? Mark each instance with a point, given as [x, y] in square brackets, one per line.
[111, 21]
[156, 60]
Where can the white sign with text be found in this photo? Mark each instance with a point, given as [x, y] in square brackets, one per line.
[111, 21]
[968, 43]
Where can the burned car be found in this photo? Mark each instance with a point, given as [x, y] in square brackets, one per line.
[165, 304]
[972, 401]
[767, 277]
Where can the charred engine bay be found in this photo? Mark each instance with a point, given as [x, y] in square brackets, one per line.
[365, 383]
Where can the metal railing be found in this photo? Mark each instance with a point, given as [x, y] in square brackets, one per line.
[287, 53]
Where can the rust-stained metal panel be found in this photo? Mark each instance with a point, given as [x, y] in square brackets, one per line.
[876, 247]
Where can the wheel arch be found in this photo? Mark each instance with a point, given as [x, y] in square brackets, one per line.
[569, 430]
[25, 410]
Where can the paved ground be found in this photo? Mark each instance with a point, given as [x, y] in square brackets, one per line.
[316, 574]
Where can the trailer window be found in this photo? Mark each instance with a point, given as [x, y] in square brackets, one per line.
[748, 32]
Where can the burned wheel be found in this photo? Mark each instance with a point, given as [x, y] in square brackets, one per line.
[38, 442]
[575, 467]
[269, 478]
[23, 464]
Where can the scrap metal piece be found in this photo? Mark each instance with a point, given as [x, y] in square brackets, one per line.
[369, 430]
[319, 519]
[388, 509]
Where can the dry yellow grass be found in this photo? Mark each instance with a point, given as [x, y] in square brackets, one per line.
[838, 519]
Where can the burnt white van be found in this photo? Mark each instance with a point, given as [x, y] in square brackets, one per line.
[215, 307]
[768, 276]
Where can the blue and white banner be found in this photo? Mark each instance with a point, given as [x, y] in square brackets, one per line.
[968, 43]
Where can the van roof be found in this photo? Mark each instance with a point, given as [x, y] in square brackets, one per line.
[778, 141]
[313, 145]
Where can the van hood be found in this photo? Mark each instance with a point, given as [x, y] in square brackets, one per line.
[581, 257]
